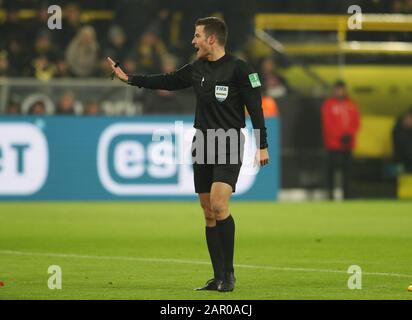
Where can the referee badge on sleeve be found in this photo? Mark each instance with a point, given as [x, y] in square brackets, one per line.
[221, 93]
[254, 80]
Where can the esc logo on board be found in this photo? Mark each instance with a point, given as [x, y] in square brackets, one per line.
[24, 159]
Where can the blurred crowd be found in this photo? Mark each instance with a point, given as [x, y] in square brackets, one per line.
[144, 36]
[141, 35]
[66, 105]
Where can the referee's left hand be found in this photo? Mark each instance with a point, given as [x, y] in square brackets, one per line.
[262, 157]
[117, 71]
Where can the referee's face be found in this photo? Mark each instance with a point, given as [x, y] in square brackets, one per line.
[200, 42]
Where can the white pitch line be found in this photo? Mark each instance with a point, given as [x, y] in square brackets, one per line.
[182, 261]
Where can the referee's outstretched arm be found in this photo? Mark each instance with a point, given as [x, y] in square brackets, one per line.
[179, 79]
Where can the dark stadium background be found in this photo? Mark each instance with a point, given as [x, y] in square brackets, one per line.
[155, 37]
[57, 93]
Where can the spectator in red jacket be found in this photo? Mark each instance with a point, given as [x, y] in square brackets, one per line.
[340, 121]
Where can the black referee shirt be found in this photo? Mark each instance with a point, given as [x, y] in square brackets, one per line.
[223, 87]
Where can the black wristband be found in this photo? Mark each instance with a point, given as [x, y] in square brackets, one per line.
[130, 79]
[261, 136]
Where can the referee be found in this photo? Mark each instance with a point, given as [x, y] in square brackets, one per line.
[223, 85]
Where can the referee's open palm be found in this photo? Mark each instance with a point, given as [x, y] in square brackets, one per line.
[118, 72]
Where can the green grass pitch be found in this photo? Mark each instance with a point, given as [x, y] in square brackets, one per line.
[157, 250]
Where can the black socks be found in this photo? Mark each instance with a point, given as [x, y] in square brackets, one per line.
[221, 243]
[226, 229]
[215, 251]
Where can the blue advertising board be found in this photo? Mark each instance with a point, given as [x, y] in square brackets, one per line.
[116, 158]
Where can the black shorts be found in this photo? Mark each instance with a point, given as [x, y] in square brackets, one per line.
[217, 164]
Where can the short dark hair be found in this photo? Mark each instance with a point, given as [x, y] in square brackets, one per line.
[216, 26]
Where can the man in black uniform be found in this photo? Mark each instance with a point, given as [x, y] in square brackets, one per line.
[223, 85]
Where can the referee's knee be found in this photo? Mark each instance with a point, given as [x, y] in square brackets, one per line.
[219, 209]
[209, 216]
[210, 221]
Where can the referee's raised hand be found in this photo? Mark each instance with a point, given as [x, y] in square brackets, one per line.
[117, 71]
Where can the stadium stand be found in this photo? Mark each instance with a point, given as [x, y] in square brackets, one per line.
[298, 56]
